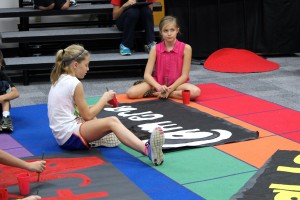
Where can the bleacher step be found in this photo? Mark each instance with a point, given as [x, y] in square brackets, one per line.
[30, 3]
[66, 35]
[84, 8]
[97, 60]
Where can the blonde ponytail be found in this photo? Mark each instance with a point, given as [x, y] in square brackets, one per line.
[63, 59]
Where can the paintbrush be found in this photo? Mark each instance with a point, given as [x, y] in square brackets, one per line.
[166, 83]
[38, 180]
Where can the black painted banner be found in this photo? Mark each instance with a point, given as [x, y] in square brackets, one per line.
[278, 179]
[183, 125]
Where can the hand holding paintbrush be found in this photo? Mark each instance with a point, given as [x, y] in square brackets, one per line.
[164, 93]
[43, 166]
[35, 166]
[114, 102]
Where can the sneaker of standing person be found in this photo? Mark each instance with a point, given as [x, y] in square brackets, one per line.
[73, 3]
[154, 146]
[124, 51]
[149, 46]
[6, 124]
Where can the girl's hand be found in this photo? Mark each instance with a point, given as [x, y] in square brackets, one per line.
[33, 197]
[162, 89]
[129, 3]
[109, 95]
[164, 92]
[37, 166]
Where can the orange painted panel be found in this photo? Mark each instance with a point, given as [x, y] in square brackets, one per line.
[257, 152]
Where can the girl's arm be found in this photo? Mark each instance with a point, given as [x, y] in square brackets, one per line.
[89, 112]
[149, 70]
[117, 11]
[7, 159]
[151, 6]
[187, 59]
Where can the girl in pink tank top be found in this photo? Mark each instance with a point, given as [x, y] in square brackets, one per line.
[168, 67]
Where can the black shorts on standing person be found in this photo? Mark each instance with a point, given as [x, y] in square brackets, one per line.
[8, 92]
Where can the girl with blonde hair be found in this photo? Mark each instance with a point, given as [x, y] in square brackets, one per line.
[76, 132]
[168, 67]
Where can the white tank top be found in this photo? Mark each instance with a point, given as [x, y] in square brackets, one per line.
[61, 107]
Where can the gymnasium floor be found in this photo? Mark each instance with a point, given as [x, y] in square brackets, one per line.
[267, 102]
[280, 86]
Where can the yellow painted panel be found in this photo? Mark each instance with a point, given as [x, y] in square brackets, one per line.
[159, 14]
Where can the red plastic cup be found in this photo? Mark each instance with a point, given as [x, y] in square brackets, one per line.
[3, 194]
[24, 183]
[114, 102]
[186, 96]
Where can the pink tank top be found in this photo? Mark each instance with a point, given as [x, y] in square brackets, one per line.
[168, 65]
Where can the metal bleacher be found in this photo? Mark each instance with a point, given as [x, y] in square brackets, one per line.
[99, 30]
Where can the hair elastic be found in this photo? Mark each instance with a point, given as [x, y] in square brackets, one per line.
[75, 57]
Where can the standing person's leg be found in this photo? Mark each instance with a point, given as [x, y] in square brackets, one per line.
[127, 23]
[146, 17]
[147, 22]
[44, 4]
[96, 129]
[62, 4]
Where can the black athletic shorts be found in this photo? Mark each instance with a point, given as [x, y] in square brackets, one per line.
[46, 3]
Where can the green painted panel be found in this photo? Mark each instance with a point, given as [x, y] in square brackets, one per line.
[92, 100]
[220, 188]
[197, 164]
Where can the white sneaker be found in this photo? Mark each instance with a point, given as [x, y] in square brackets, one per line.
[110, 140]
[154, 146]
[73, 3]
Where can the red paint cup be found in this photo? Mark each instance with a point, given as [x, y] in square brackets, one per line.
[186, 96]
[114, 102]
[3, 194]
[24, 183]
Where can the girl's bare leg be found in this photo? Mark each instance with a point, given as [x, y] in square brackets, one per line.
[138, 91]
[5, 106]
[177, 94]
[96, 129]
